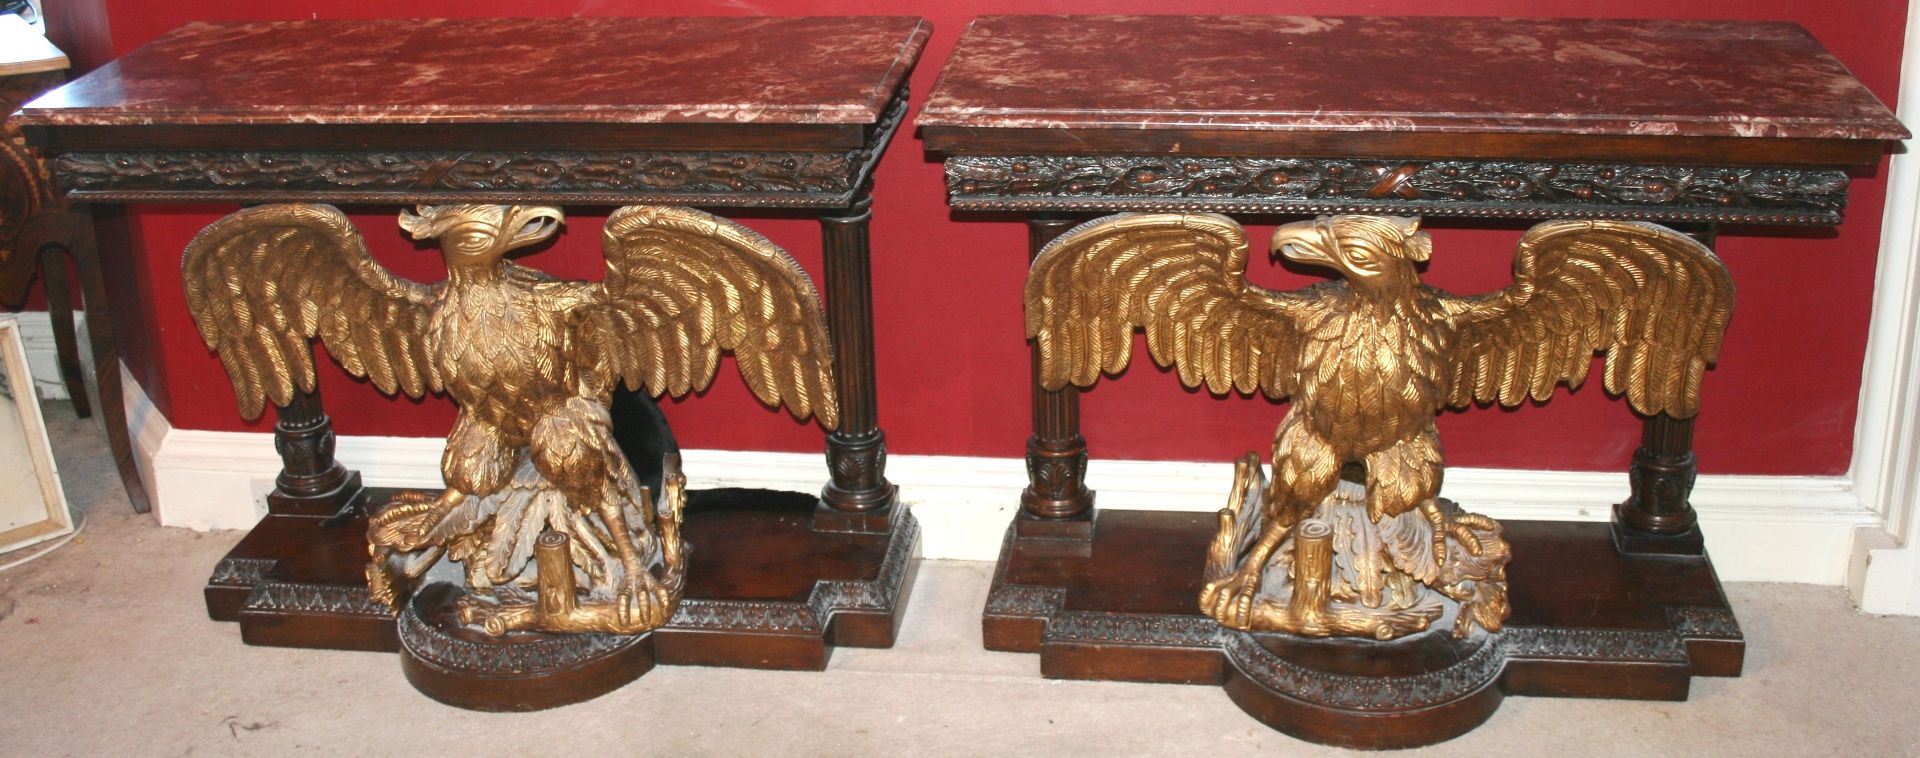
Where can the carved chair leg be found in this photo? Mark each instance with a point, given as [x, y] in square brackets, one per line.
[1056, 502]
[858, 497]
[66, 340]
[106, 357]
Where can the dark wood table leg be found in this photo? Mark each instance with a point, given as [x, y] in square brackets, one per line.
[106, 358]
[858, 497]
[1056, 502]
[66, 340]
[311, 482]
[1657, 518]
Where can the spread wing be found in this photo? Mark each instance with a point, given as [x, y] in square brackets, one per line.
[684, 285]
[263, 281]
[1182, 278]
[1653, 299]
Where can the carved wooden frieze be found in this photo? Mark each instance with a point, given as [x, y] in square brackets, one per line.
[698, 178]
[1474, 672]
[1696, 622]
[315, 598]
[241, 571]
[1488, 188]
[434, 645]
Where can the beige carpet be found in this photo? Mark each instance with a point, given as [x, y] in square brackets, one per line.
[105, 649]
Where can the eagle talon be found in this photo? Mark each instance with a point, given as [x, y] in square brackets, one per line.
[1466, 537]
[1230, 601]
[642, 602]
[1441, 528]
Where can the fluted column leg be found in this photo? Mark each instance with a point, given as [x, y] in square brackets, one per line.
[1657, 517]
[311, 482]
[858, 496]
[1056, 502]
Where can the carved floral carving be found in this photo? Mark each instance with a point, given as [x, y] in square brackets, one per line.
[1498, 188]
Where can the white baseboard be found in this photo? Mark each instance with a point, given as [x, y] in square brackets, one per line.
[1759, 528]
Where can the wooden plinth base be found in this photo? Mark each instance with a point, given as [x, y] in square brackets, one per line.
[1587, 622]
[766, 587]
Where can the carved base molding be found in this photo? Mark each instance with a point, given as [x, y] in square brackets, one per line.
[298, 581]
[1125, 610]
[519, 672]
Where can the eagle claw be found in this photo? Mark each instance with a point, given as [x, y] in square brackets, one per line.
[1230, 600]
[642, 602]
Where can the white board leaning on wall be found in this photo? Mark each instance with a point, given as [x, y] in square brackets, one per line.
[33, 508]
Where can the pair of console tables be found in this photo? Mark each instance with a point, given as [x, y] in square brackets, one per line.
[1057, 118]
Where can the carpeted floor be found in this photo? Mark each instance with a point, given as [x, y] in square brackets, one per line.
[105, 649]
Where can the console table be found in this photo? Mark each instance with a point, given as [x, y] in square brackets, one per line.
[748, 113]
[1060, 117]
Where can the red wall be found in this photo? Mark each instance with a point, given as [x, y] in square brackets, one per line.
[952, 362]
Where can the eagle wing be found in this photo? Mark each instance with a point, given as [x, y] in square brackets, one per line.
[263, 281]
[1182, 278]
[1655, 300]
[683, 285]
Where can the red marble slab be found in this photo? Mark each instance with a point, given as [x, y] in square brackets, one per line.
[1403, 74]
[795, 70]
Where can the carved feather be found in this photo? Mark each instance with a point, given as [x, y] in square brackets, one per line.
[1182, 279]
[264, 280]
[684, 285]
[1654, 300]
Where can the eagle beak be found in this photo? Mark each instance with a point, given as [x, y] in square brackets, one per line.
[1306, 242]
[532, 224]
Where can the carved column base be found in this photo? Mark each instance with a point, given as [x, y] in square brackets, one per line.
[858, 498]
[880, 520]
[1657, 519]
[342, 492]
[1030, 527]
[311, 482]
[1632, 541]
[1056, 503]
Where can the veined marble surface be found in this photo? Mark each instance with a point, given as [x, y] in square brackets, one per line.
[1412, 74]
[818, 70]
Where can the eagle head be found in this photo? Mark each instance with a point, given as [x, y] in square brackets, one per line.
[1373, 253]
[480, 234]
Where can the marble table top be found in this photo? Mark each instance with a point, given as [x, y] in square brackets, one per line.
[794, 70]
[1403, 74]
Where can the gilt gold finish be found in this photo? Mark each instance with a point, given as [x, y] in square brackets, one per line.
[532, 362]
[1367, 361]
